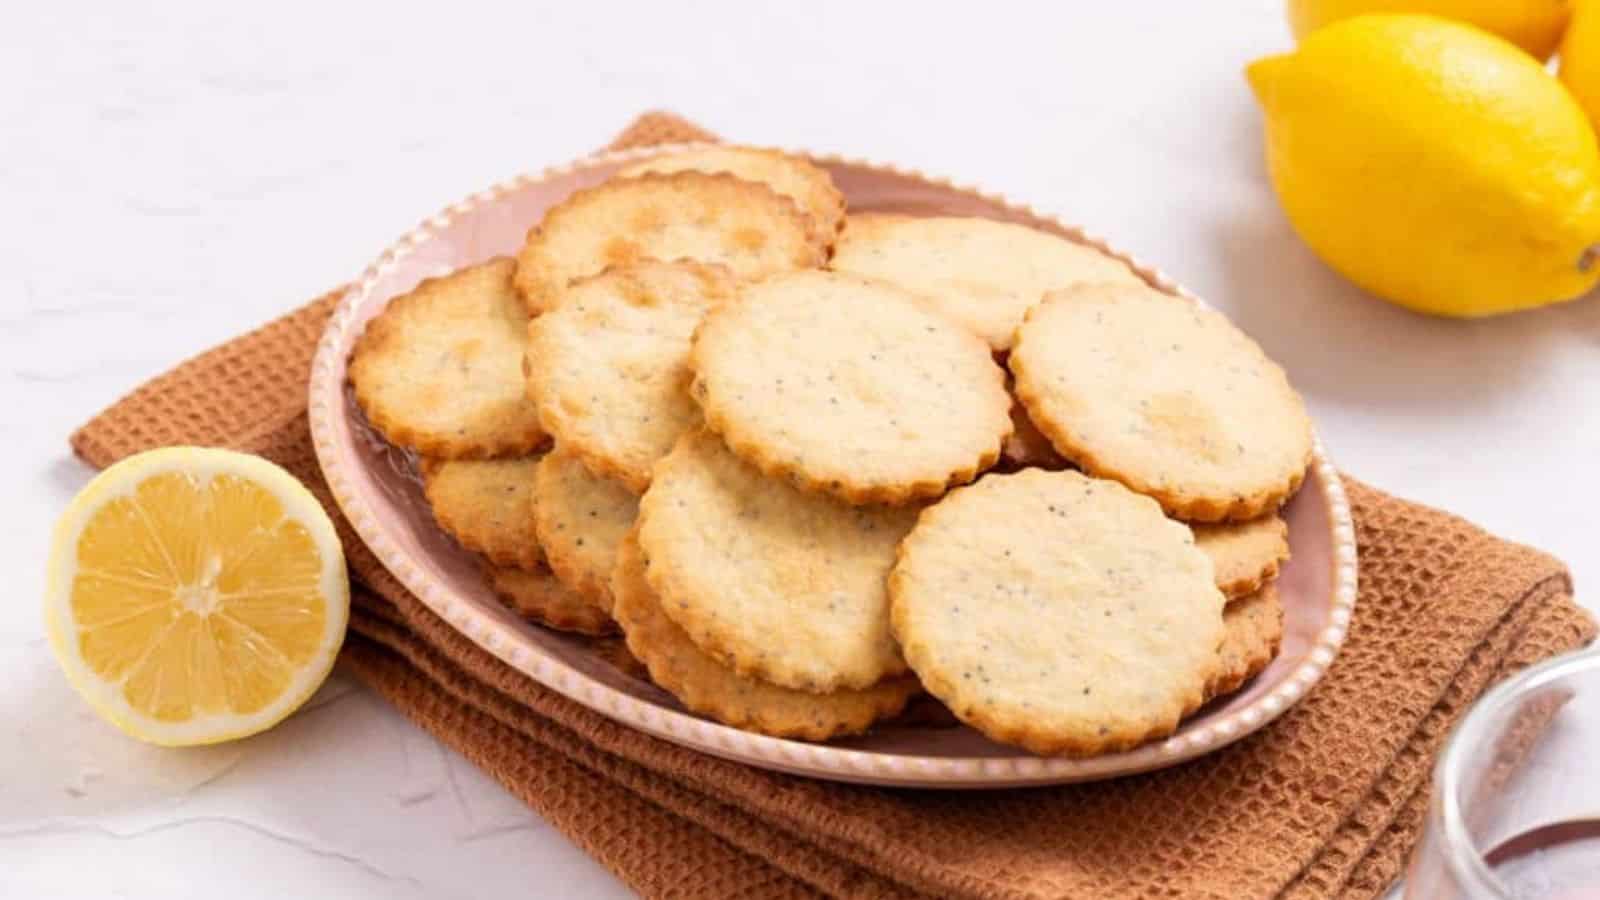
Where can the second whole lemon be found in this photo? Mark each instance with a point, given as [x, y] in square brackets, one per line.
[1580, 57]
[1533, 25]
[1433, 164]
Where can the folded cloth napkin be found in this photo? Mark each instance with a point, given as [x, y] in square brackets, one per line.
[1325, 802]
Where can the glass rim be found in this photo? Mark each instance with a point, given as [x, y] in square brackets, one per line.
[1465, 861]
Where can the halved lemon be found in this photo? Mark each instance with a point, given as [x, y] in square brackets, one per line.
[195, 595]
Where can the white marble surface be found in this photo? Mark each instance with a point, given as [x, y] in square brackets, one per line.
[172, 175]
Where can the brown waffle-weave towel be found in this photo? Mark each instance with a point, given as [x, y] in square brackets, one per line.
[1326, 802]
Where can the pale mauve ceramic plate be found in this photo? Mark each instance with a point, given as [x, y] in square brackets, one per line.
[378, 492]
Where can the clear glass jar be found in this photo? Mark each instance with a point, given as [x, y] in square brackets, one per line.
[1515, 809]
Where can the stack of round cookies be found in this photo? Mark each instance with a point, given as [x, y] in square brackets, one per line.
[813, 466]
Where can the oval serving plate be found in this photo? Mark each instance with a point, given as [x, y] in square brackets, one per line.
[378, 492]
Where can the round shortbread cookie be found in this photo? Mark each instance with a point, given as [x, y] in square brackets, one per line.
[1253, 631]
[773, 582]
[581, 519]
[487, 505]
[608, 368]
[536, 595]
[807, 185]
[850, 387]
[1165, 396]
[744, 226]
[1061, 613]
[981, 274]
[440, 369]
[1244, 555]
[707, 687]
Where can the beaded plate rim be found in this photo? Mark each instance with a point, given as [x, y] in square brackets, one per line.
[326, 403]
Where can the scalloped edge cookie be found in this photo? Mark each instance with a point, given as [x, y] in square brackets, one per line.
[1057, 612]
[487, 505]
[850, 388]
[581, 519]
[538, 597]
[1253, 629]
[773, 582]
[1245, 555]
[750, 229]
[708, 688]
[401, 394]
[808, 185]
[608, 368]
[1164, 420]
[982, 274]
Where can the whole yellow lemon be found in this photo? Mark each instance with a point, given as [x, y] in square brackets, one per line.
[1580, 57]
[1533, 25]
[1433, 164]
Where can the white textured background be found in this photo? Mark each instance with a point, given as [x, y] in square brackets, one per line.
[172, 176]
